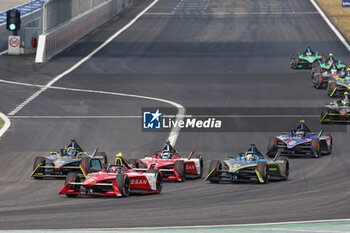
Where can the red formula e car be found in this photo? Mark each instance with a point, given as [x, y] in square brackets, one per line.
[172, 166]
[115, 180]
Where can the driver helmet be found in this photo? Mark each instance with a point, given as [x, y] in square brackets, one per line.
[308, 52]
[70, 151]
[165, 155]
[249, 157]
[118, 160]
[345, 100]
[347, 72]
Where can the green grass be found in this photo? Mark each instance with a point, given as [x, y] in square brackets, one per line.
[2, 122]
[340, 15]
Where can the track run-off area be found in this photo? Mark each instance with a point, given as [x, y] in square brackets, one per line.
[188, 53]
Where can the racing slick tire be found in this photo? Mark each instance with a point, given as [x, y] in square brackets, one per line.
[264, 171]
[180, 167]
[330, 146]
[315, 69]
[294, 61]
[316, 147]
[324, 111]
[214, 177]
[123, 184]
[159, 179]
[86, 164]
[201, 164]
[74, 177]
[317, 80]
[39, 160]
[272, 147]
[330, 89]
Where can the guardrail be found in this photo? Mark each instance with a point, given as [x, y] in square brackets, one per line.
[63, 35]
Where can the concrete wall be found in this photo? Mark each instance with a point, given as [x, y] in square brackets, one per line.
[61, 38]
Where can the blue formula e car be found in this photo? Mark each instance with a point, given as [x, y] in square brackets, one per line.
[249, 166]
[300, 141]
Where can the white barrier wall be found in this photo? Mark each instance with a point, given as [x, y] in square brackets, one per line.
[54, 42]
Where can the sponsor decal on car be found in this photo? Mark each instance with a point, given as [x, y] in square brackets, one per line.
[138, 181]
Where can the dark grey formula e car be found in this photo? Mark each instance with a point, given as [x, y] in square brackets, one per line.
[70, 158]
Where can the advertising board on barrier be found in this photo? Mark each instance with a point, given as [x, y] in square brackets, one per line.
[346, 3]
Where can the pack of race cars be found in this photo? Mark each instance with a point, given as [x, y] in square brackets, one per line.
[91, 174]
[331, 74]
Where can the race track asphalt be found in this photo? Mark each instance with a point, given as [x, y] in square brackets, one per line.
[198, 53]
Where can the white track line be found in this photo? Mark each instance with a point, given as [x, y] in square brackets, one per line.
[234, 13]
[6, 125]
[79, 63]
[173, 134]
[330, 24]
[3, 52]
[175, 131]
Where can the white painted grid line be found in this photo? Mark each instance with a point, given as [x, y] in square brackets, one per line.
[175, 131]
[74, 67]
[330, 24]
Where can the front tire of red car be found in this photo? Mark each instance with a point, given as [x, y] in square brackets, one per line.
[74, 177]
[123, 184]
[159, 179]
[201, 164]
[180, 167]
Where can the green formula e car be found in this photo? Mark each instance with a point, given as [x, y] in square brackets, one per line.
[306, 59]
[321, 67]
